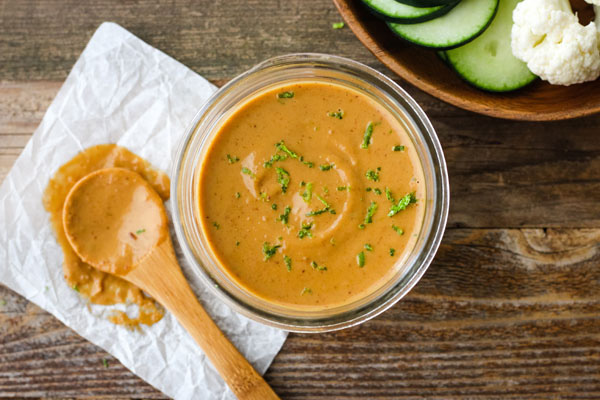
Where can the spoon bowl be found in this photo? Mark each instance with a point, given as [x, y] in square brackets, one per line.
[116, 222]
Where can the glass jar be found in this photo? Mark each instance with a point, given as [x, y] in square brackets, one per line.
[287, 69]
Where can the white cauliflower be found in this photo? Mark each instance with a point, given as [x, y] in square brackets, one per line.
[556, 47]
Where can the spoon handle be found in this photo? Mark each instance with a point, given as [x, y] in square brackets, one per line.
[169, 287]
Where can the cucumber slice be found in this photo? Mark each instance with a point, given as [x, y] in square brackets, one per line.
[425, 3]
[391, 10]
[442, 56]
[462, 24]
[488, 62]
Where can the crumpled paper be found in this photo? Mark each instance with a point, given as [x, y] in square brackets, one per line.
[122, 91]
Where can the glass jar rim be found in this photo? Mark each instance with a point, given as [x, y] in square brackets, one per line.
[183, 178]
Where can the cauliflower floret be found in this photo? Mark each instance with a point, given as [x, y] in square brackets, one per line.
[548, 37]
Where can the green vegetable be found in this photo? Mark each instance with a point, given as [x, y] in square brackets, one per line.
[392, 252]
[343, 188]
[338, 25]
[377, 191]
[140, 231]
[248, 172]
[105, 362]
[398, 148]
[285, 95]
[368, 247]
[372, 175]
[274, 206]
[76, 287]
[368, 189]
[360, 259]
[237, 243]
[269, 251]
[398, 230]
[339, 114]
[216, 225]
[285, 217]
[238, 195]
[233, 159]
[326, 167]
[402, 204]
[288, 262]
[317, 266]
[283, 178]
[307, 195]
[367, 136]
[305, 231]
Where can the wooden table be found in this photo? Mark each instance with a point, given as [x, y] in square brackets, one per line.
[509, 308]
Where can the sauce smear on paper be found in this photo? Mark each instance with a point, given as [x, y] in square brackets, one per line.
[97, 286]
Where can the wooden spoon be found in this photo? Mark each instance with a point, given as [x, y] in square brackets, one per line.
[116, 222]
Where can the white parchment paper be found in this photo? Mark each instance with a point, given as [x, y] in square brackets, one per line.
[122, 91]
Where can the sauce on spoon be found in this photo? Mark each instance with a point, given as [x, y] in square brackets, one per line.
[113, 218]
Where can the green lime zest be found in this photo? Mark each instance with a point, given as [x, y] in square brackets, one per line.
[372, 175]
[283, 178]
[367, 136]
[339, 114]
[305, 231]
[306, 291]
[285, 95]
[285, 217]
[269, 251]
[318, 267]
[232, 160]
[248, 172]
[307, 194]
[370, 213]
[360, 259]
[404, 202]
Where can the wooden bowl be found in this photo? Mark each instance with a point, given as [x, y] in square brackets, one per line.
[539, 101]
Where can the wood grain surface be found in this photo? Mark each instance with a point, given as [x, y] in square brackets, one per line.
[510, 307]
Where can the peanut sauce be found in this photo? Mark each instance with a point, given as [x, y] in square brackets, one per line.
[297, 194]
